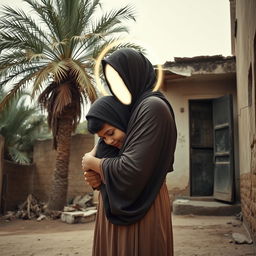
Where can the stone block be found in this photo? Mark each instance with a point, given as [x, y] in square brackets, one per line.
[78, 216]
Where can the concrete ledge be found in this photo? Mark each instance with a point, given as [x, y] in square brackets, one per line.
[208, 208]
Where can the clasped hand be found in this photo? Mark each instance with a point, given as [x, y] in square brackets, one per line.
[91, 177]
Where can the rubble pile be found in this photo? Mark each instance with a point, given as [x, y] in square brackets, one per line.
[81, 209]
[81, 202]
[29, 209]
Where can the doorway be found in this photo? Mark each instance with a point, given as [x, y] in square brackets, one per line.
[201, 148]
[212, 148]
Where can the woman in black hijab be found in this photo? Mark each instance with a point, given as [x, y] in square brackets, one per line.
[136, 200]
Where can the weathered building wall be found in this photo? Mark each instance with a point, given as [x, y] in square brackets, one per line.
[44, 158]
[179, 92]
[245, 51]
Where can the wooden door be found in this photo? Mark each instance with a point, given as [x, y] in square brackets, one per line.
[223, 149]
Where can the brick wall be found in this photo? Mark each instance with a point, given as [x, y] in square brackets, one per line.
[18, 180]
[245, 51]
[80, 144]
[44, 158]
[248, 201]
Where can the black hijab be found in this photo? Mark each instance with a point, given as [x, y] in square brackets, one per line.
[135, 70]
[111, 111]
[137, 73]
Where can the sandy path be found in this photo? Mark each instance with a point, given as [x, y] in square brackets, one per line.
[193, 236]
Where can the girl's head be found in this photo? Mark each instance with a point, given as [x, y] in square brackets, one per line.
[109, 133]
[108, 118]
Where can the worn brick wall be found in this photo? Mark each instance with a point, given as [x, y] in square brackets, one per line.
[44, 158]
[80, 144]
[245, 51]
[17, 183]
[248, 200]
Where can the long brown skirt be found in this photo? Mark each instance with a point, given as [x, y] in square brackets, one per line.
[151, 236]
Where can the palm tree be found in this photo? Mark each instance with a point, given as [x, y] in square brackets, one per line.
[53, 52]
[19, 125]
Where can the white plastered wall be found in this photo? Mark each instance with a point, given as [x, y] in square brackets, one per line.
[179, 93]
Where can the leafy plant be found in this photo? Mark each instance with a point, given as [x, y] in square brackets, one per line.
[20, 126]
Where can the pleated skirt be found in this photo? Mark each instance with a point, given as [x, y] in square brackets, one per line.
[151, 236]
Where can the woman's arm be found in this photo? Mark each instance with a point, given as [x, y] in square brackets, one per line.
[91, 166]
[91, 177]
[93, 151]
[90, 162]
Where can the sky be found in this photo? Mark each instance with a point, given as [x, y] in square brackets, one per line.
[175, 28]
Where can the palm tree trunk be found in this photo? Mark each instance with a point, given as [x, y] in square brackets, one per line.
[58, 194]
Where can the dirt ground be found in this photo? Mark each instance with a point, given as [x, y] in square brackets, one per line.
[193, 236]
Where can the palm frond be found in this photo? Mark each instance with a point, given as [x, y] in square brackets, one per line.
[83, 79]
[17, 88]
[46, 13]
[98, 31]
[41, 77]
[113, 18]
[62, 99]
[19, 31]
[18, 156]
[58, 70]
[19, 125]
[11, 74]
[86, 10]
[12, 14]
[98, 48]
[18, 35]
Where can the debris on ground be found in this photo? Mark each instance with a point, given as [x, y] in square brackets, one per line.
[9, 216]
[239, 216]
[84, 201]
[81, 210]
[235, 223]
[241, 238]
[81, 207]
[41, 217]
[31, 208]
